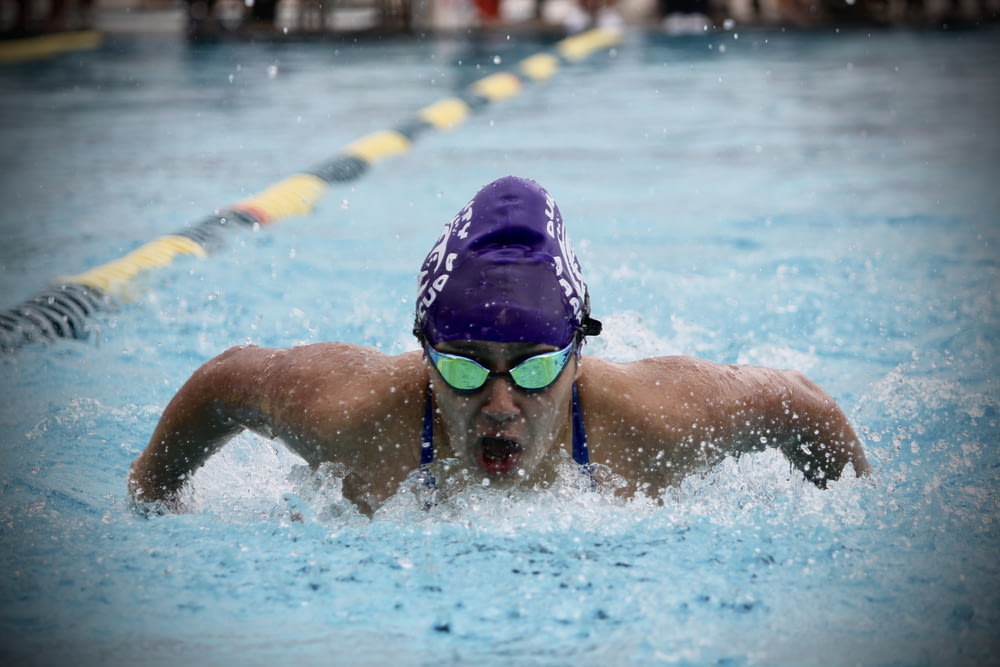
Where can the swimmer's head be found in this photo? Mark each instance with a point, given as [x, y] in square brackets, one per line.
[504, 271]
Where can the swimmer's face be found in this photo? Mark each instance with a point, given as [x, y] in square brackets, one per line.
[500, 431]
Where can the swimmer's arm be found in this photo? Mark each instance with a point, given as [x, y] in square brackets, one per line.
[822, 443]
[198, 421]
[327, 402]
[702, 411]
[798, 417]
[270, 392]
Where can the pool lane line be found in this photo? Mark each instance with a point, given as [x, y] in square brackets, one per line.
[44, 46]
[62, 310]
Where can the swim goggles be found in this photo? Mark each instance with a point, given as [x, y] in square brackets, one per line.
[465, 374]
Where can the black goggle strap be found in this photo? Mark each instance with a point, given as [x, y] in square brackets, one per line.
[588, 326]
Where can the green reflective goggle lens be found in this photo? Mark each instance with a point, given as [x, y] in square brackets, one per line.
[535, 372]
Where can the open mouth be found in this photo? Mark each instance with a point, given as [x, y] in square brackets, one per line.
[498, 456]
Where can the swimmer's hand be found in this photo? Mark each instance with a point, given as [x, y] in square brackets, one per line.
[817, 438]
[821, 463]
[146, 502]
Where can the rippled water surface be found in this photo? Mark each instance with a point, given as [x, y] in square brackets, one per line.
[826, 202]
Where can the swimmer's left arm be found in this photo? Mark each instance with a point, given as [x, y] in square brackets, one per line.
[817, 437]
[701, 411]
[786, 410]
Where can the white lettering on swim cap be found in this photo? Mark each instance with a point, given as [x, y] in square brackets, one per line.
[439, 255]
[550, 215]
[465, 215]
[567, 288]
[433, 291]
[426, 302]
[575, 288]
[437, 252]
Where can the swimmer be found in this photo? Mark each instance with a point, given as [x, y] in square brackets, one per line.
[499, 387]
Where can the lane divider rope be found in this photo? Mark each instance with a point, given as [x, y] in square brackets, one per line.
[62, 310]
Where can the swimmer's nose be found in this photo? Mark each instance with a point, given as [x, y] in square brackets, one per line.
[500, 405]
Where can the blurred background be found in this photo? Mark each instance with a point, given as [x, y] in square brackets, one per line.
[210, 19]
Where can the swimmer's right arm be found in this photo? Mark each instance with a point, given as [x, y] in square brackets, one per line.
[333, 402]
[260, 389]
[198, 421]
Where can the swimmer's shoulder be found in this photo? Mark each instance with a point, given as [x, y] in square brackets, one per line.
[644, 374]
[324, 371]
[634, 407]
[318, 358]
[685, 387]
[646, 393]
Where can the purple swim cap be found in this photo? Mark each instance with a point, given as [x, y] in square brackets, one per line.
[504, 271]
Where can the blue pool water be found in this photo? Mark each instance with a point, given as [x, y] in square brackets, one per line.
[826, 202]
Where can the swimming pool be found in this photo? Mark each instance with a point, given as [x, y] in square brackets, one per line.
[822, 201]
